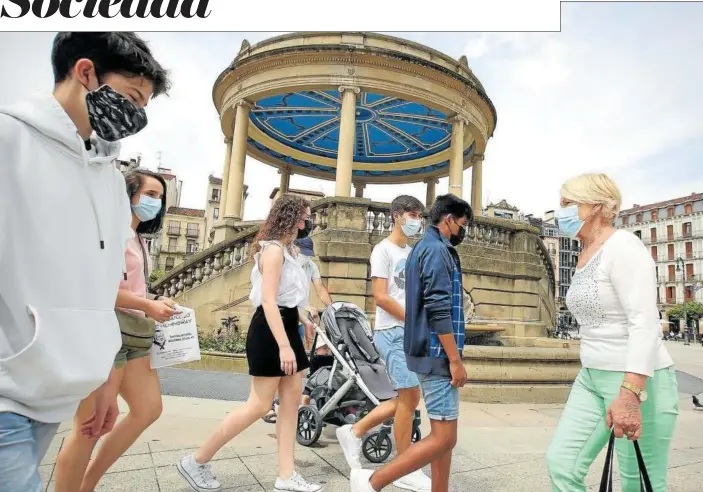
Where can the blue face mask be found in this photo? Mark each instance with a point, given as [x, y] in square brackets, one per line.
[568, 220]
[411, 226]
[147, 209]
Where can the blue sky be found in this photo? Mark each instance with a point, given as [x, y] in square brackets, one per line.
[617, 91]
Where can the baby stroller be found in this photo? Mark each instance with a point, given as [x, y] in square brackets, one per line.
[347, 384]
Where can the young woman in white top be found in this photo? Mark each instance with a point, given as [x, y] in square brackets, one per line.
[275, 351]
[627, 381]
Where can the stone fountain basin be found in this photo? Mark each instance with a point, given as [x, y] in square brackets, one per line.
[523, 370]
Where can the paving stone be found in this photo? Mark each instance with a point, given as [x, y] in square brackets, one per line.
[53, 451]
[133, 462]
[307, 463]
[231, 473]
[129, 481]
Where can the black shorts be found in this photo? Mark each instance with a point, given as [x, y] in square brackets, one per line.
[262, 349]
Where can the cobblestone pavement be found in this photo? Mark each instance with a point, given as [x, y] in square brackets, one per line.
[501, 447]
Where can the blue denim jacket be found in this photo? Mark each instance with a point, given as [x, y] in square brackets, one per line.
[433, 303]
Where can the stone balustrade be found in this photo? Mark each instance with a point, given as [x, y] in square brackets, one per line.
[211, 263]
[345, 231]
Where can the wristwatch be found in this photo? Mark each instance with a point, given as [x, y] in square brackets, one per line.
[640, 393]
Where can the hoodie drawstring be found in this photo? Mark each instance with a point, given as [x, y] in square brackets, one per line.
[86, 158]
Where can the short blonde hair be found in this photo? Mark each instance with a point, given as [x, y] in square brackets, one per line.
[594, 189]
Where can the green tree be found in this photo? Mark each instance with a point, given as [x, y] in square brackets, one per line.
[693, 310]
[156, 275]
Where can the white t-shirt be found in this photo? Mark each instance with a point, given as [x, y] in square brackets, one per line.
[614, 299]
[388, 261]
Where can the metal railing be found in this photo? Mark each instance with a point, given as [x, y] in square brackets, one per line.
[192, 232]
[173, 231]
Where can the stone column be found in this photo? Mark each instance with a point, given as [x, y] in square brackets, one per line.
[285, 180]
[477, 184]
[431, 192]
[456, 158]
[345, 151]
[235, 182]
[359, 190]
[225, 176]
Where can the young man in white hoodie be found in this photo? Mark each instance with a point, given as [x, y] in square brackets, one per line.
[65, 218]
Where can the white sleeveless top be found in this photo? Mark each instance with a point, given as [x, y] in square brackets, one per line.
[293, 286]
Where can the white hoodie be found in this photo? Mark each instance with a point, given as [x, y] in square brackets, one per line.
[64, 220]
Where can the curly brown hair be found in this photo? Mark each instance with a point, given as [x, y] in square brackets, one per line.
[282, 221]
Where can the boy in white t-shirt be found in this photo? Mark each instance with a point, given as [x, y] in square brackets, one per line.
[388, 280]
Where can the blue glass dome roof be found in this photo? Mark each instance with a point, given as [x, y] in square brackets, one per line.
[388, 129]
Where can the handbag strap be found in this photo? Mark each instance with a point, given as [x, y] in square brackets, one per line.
[606, 483]
[146, 268]
[645, 484]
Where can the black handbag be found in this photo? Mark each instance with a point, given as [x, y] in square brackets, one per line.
[137, 331]
[606, 482]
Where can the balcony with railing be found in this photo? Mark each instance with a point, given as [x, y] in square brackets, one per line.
[673, 237]
[173, 230]
[192, 232]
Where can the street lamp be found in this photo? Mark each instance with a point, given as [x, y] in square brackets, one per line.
[681, 267]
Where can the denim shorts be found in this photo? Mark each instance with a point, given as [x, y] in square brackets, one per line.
[390, 344]
[23, 444]
[441, 398]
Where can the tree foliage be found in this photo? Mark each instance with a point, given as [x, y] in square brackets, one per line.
[693, 310]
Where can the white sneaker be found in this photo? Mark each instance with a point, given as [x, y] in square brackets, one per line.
[296, 483]
[351, 446]
[199, 477]
[416, 481]
[359, 480]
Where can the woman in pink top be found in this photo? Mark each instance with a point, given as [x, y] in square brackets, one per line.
[134, 379]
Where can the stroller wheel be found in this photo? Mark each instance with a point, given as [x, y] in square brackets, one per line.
[417, 435]
[309, 425]
[377, 447]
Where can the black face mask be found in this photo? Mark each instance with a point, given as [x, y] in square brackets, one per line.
[305, 231]
[112, 116]
[458, 238]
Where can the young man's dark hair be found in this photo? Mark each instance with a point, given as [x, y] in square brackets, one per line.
[123, 53]
[450, 205]
[405, 203]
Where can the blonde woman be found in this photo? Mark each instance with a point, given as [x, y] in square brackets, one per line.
[627, 381]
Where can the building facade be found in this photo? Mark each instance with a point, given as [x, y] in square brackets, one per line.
[503, 210]
[182, 236]
[673, 233]
[213, 207]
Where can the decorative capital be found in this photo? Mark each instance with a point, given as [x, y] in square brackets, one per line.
[243, 103]
[459, 119]
[476, 159]
[432, 180]
[343, 88]
[228, 140]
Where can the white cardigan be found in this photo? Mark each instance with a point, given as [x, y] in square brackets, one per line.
[614, 299]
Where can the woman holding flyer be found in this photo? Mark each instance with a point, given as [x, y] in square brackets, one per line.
[133, 379]
[275, 351]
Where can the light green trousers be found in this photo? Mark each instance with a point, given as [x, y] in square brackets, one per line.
[582, 432]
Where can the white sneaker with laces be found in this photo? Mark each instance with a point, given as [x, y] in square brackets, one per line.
[416, 481]
[199, 477]
[351, 446]
[359, 480]
[295, 483]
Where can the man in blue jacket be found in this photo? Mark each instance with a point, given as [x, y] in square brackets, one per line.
[434, 340]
